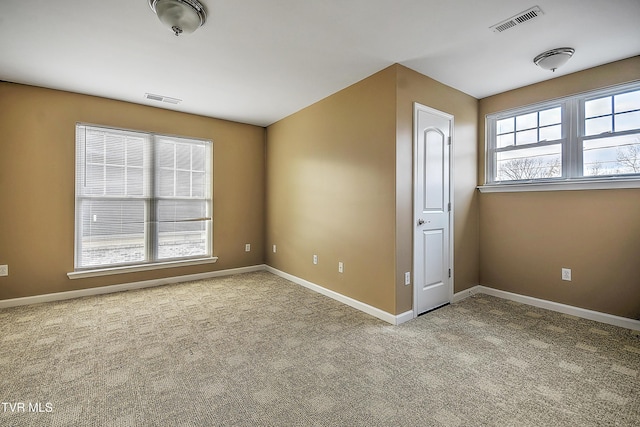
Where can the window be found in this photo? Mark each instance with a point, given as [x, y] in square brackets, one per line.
[141, 198]
[591, 136]
[529, 145]
[611, 135]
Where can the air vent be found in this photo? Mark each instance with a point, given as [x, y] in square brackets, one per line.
[518, 19]
[161, 98]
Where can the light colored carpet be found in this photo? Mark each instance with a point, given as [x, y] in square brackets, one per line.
[255, 349]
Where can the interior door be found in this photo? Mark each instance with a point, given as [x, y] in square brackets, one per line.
[432, 209]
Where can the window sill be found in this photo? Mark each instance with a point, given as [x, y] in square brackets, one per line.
[567, 185]
[136, 268]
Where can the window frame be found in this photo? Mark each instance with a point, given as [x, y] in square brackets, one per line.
[151, 196]
[582, 137]
[493, 150]
[572, 143]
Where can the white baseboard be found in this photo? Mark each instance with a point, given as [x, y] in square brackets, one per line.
[610, 319]
[459, 296]
[404, 317]
[59, 296]
[358, 305]
[597, 316]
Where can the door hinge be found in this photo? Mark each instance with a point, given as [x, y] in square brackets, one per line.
[449, 140]
[449, 273]
[449, 207]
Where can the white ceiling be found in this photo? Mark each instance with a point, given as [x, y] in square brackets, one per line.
[257, 61]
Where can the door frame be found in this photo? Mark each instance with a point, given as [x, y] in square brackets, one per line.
[417, 107]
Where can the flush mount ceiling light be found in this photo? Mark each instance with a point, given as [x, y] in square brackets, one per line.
[554, 58]
[182, 16]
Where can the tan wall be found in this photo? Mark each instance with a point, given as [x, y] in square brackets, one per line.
[340, 184]
[526, 238]
[37, 148]
[415, 87]
[330, 192]
[339, 179]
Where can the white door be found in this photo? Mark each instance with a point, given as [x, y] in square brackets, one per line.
[432, 209]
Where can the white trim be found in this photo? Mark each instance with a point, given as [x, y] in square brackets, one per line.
[59, 296]
[459, 296]
[599, 184]
[597, 316]
[373, 311]
[141, 267]
[404, 317]
[609, 319]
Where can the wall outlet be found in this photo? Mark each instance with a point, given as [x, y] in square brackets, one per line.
[315, 259]
[4, 270]
[340, 267]
[407, 278]
[566, 274]
[247, 247]
[274, 249]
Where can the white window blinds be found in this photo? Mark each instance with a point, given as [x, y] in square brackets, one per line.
[140, 198]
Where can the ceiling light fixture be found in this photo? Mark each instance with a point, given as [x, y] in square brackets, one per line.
[182, 16]
[554, 58]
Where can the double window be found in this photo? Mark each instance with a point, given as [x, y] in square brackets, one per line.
[141, 198]
[591, 136]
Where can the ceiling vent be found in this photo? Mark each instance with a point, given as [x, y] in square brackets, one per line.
[161, 98]
[518, 19]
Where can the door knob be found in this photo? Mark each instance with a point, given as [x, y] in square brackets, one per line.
[420, 221]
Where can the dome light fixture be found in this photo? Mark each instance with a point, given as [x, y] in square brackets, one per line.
[554, 58]
[181, 16]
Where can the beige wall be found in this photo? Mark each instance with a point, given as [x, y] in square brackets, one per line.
[526, 238]
[330, 191]
[340, 185]
[37, 146]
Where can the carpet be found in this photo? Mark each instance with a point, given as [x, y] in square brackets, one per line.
[257, 350]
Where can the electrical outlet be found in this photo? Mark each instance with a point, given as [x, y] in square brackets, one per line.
[315, 259]
[247, 247]
[407, 278]
[340, 267]
[274, 249]
[566, 274]
[4, 270]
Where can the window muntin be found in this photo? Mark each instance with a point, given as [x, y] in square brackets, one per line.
[613, 113]
[610, 134]
[593, 135]
[528, 144]
[141, 198]
[529, 128]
